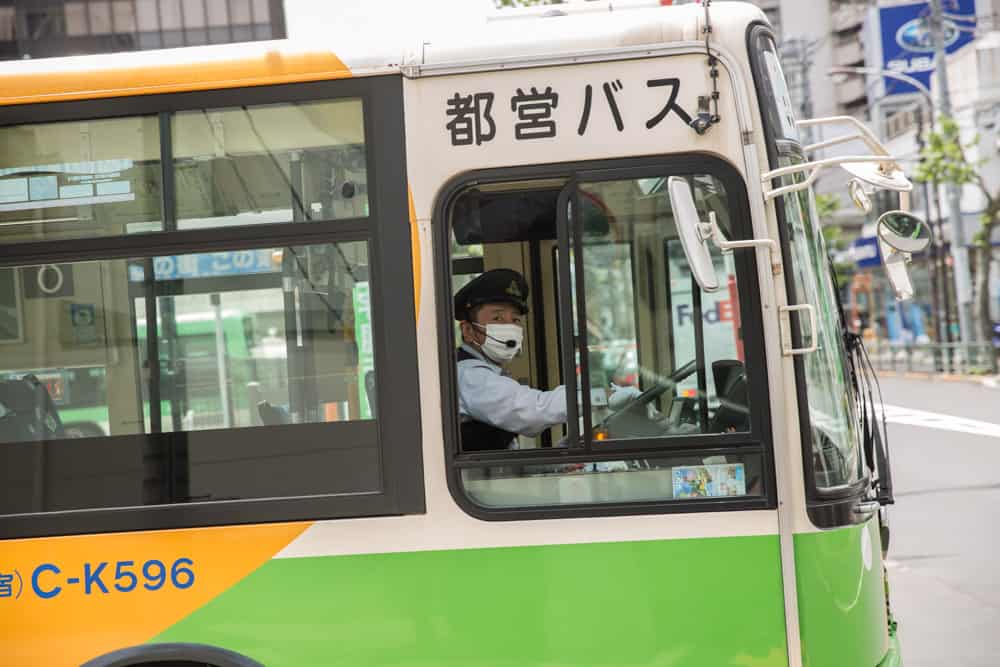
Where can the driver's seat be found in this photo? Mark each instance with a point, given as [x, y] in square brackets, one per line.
[733, 413]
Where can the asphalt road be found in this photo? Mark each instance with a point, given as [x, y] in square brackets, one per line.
[944, 553]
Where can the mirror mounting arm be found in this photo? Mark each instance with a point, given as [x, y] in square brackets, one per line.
[710, 231]
[864, 134]
[814, 167]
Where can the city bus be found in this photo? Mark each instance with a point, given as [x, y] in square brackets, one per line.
[264, 241]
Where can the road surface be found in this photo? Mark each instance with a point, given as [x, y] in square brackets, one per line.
[944, 554]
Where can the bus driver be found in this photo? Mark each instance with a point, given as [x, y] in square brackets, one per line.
[493, 407]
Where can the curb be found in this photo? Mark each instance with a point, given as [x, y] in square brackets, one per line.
[988, 381]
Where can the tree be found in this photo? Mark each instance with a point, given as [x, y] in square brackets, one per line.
[943, 161]
[826, 206]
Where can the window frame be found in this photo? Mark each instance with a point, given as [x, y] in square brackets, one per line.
[757, 441]
[389, 245]
[15, 278]
[826, 508]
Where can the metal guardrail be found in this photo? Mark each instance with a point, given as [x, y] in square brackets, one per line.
[956, 358]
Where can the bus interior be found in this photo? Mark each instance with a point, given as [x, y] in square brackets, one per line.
[648, 325]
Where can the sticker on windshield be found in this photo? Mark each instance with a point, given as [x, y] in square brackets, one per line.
[782, 99]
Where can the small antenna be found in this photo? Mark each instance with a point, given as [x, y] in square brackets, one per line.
[705, 118]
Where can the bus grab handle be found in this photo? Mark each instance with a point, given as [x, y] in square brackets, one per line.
[786, 347]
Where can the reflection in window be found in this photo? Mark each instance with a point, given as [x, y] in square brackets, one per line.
[238, 341]
[676, 349]
[835, 439]
[639, 480]
[267, 164]
[10, 306]
[79, 179]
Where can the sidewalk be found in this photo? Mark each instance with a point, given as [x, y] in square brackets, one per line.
[988, 381]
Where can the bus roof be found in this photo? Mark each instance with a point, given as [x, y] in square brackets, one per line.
[165, 71]
[483, 46]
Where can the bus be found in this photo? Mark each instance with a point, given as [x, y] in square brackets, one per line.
[248, 354]
[236, 264]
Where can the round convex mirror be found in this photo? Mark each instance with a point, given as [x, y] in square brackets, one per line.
[903, 231]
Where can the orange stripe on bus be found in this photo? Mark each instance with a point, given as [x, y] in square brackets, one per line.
[415, 249]
[66, 609]
[139, 74]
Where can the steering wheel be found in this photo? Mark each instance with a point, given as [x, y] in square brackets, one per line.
[671, 381]
[632, 417]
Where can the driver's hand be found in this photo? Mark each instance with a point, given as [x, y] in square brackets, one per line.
[621, 396]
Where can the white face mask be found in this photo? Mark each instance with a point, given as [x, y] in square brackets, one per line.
[499, 337]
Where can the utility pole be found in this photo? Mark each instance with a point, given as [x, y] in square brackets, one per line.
[935, 269]
[963, 284]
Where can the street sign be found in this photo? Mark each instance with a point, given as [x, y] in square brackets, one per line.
[208, 265]
[865, 251]
[907, 43]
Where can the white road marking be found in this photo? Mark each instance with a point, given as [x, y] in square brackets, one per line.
[899, 415]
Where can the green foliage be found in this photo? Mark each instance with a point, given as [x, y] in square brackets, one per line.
[826, 206]
[833, 237]
[943, 161]
[844, 272]
[943, 157]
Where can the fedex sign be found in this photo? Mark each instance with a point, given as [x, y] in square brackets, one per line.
[720, 311]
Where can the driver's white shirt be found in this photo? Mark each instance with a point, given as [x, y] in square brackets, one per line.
[485, 394]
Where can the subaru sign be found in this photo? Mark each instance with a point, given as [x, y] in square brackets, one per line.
[907, 42]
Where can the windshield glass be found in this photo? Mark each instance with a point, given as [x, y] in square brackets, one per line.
[682, 346]
[777, 106]
[667, 377]
[836, 458]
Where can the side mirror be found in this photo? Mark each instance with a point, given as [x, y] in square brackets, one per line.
[694, 237]
[902, 231]
[884, 175]
[856, 188]
[899, 235]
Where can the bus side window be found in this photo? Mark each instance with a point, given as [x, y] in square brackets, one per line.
[231, 341]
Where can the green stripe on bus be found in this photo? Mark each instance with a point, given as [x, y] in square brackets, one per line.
[680, 602]
[841, 602]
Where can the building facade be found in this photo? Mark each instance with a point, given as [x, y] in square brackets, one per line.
[52, 28]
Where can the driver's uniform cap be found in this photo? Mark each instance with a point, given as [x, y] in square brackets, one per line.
[495, 286]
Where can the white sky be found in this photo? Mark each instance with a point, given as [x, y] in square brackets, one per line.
[350, 21]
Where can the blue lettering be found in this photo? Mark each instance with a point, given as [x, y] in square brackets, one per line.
[712, 314]
[39, 591]
[93, 577]
[683, 313]
[122, 573]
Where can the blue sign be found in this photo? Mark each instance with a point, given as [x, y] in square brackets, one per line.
[208, 265]
[907, 45]
[866, 252]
